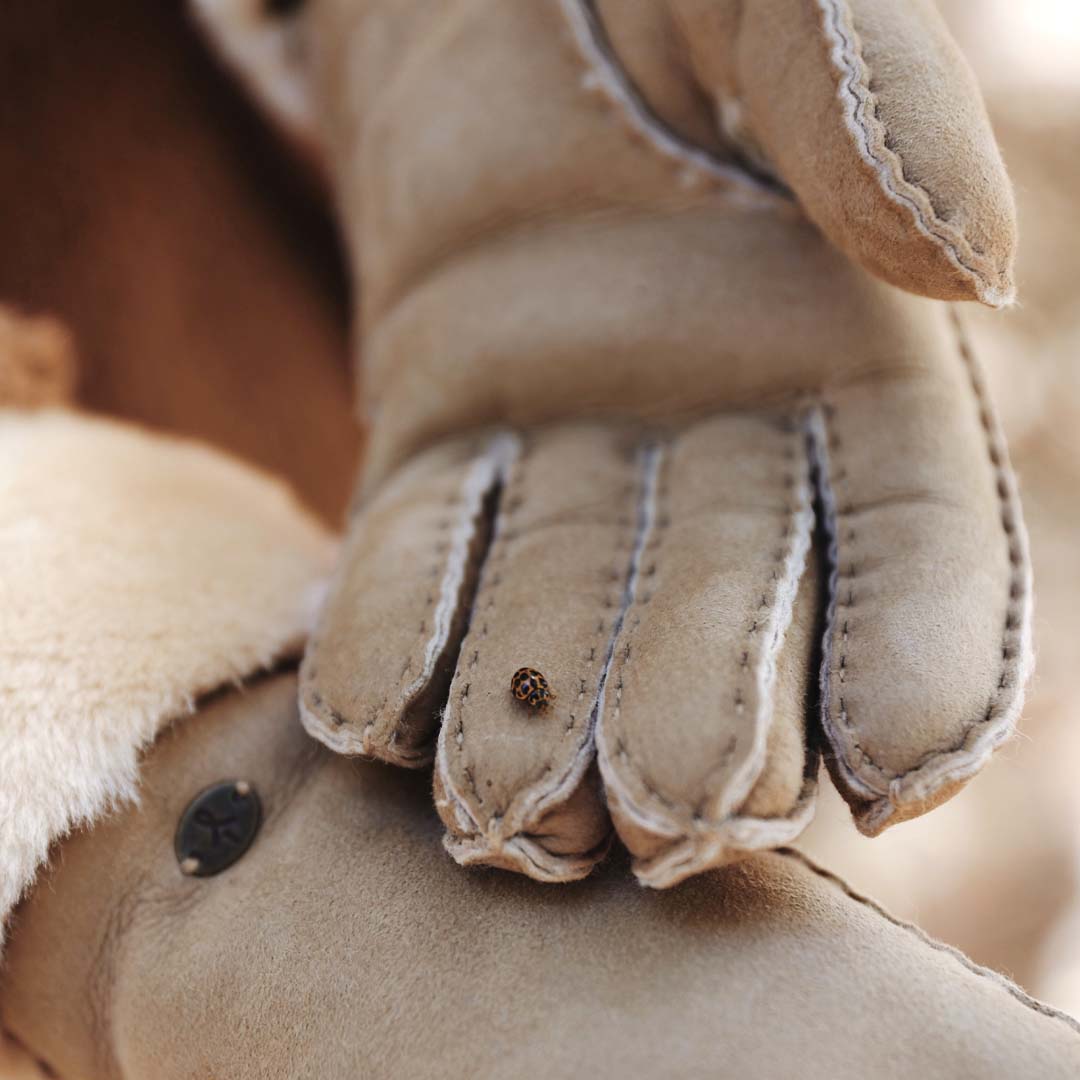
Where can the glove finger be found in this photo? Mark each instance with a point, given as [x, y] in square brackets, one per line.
[513, 783]
[700, 739]
[868, 110]
[379, 662]
[927, 647]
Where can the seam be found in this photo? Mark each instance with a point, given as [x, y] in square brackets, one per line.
[504, 535]
[825, 446]
[651, 523]
[524, 853]
[533, 805]
[789, 564]
[981, 735]
[860, 115]
[961, 958]
[655, 520]
[769, 625]
[606, 75]
[734, 837]
[482, 475]
[451, 558]
[527, 805]
[465, 819]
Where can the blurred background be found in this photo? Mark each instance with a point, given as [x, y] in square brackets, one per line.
[146, 207]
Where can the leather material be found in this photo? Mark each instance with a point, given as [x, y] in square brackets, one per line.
[616, 378]
[341, 935]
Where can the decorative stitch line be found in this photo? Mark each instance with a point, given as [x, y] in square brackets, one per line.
[558, 788]
[962, 959]
[450, 558]
[860, 103]
[1007, 696]
[504, 536]
[792, 556]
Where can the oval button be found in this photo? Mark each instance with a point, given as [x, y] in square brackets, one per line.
[217, 828]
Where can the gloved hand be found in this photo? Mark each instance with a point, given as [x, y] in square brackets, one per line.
[641, 418]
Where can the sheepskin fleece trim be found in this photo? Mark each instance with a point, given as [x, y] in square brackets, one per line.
[137, 572]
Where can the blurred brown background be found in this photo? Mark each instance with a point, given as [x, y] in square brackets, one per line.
[144, 204]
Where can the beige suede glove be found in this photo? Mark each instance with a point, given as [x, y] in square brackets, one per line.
[645, 417]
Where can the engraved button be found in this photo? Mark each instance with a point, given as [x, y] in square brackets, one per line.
[217, 828]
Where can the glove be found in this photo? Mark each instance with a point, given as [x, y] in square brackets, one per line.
[650, 418]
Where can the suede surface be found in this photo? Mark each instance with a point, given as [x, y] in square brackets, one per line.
[122, 967]
[551, 256]
[992, 871]
[869, 112]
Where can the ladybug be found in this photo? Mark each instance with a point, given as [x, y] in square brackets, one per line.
[530, 687]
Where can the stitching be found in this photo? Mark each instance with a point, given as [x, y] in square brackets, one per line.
[786, 568]
[653, 496]
[860, 108]
[504, 537]
[441, 549]
[656, 520]
[962, 959]
[779, 557]
[441, 560]
[479, 479]
[526, 804]
[697, 814]
[523, 853]
[450, 557]
[630, 543]
[1007, 695]
[691, 855]
[841, 592]
[605, 74]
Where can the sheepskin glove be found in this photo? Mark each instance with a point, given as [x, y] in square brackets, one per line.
[650, 414]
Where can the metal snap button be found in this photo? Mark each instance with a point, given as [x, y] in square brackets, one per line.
[217, 828]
